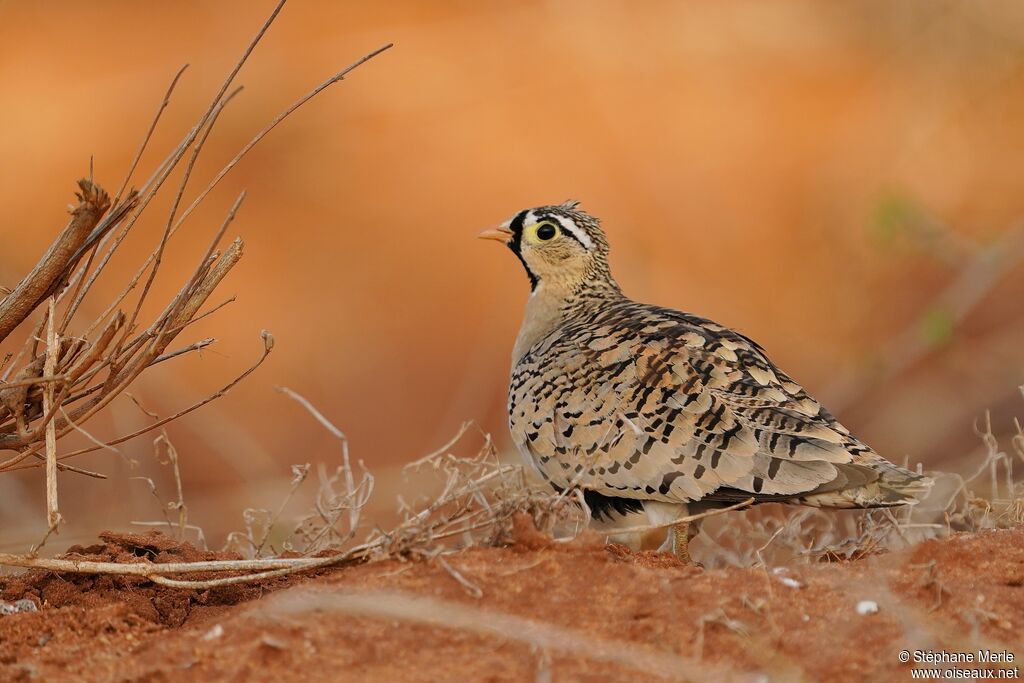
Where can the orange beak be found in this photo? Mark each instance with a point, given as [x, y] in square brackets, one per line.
[502, 235]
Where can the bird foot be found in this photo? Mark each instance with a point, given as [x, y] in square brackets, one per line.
[679, 542]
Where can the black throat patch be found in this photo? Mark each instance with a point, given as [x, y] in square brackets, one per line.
[516, 244]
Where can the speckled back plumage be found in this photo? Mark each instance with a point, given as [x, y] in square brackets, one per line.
[630, 401]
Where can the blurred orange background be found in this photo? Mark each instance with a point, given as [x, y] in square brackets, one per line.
[840, 181]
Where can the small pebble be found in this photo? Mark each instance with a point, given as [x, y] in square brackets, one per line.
[867, 607]
[17, 607]
[272, 642]
[214, 633]
[780, 574]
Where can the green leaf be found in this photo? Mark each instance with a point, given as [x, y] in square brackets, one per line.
[890, 217]
[937, 326]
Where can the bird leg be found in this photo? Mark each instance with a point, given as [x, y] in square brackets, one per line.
[677, 540]
[680, 542]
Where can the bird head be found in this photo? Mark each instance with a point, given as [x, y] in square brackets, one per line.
[559, 245]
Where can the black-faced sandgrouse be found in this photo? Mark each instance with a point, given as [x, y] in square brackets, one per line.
[655, 410]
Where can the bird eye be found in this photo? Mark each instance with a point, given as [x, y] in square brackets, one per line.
[546, 231]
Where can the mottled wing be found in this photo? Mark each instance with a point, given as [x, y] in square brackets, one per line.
[637, 421]
[799, 439]
[654, 404]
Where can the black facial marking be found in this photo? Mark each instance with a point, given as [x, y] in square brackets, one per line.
[517, 224]
[516, 243]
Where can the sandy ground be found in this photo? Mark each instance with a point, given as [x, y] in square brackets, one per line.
[532, 611]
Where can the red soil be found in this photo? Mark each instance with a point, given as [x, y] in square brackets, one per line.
[575, 611]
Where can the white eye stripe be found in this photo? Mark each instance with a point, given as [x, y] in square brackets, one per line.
[529, 218]
[571, 228]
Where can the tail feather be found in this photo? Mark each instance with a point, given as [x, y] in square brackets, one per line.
[888, 486]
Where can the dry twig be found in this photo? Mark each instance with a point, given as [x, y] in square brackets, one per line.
[47, 394]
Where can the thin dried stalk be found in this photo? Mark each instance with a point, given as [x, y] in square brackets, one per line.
[268, 345]
[82, 287]
[346, 464]
[149, 569]
[152, 185]
[479, 495]
[172, 460]
[157, 259]
[123, 371]
[149, 133]
[195, 346]
[52, 509]
[299, 474]
[340, 76]
[32, 381]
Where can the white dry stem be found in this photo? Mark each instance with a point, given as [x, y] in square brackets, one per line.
[346, 464]
[299, 474]
[52, 509]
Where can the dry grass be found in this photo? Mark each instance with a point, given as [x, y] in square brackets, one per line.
[69, 369]
[479, 499]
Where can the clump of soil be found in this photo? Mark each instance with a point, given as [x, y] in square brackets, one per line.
[577, 611]
[162, 606]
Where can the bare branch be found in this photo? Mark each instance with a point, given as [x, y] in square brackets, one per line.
[273, 124]
[195, 346]
[149, 133]
[32, 381]
[267, 347]
[49, 274]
